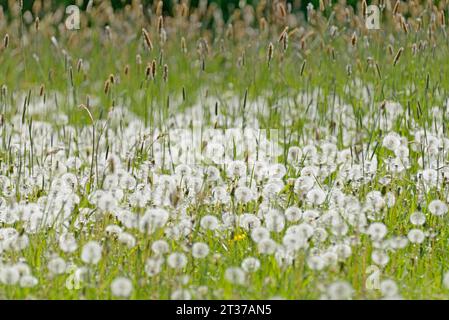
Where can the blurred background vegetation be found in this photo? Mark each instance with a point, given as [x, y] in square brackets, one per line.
[227, 6]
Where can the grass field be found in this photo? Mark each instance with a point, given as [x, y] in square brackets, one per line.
[273, 155]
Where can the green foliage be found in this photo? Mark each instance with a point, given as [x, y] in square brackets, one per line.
[331, 89]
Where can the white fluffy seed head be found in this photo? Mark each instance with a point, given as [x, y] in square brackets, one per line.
[417, 218]
[250, 264]
[235, 275]
[340, 290]
[438, 207]
[177, 260]
[293, 214]
[416, 236]
[121, 287]
[200, 250]
[91, 252]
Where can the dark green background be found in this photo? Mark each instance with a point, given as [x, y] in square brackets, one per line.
[226, 5]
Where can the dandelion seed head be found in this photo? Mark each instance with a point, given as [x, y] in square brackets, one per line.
[235, 275]
[437, 207]
[417, 218]
[200, 250]
[340, 290]
[121, 287]
[250, 264]
[91, 252]
[416, 236]
[177, 260]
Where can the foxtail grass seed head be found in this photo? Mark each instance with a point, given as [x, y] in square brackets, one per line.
[283, 39]
[165, 74]
[404, 25]
[159, 8]
[282, 35]
[397, 56]
[364, 8]
[270, 53]
[6, 41]
[148, 71]
[153, 69]
[282, 11]
[107, 86]
[36, 24]
[354, 39]
[160, 25]
[285, 42]
[303, 67]
[396, 7]
[147, 39]
[79, 65]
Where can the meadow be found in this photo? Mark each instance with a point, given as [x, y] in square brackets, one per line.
[275, 154]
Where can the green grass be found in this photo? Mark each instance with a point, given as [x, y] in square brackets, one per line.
[418, 82]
